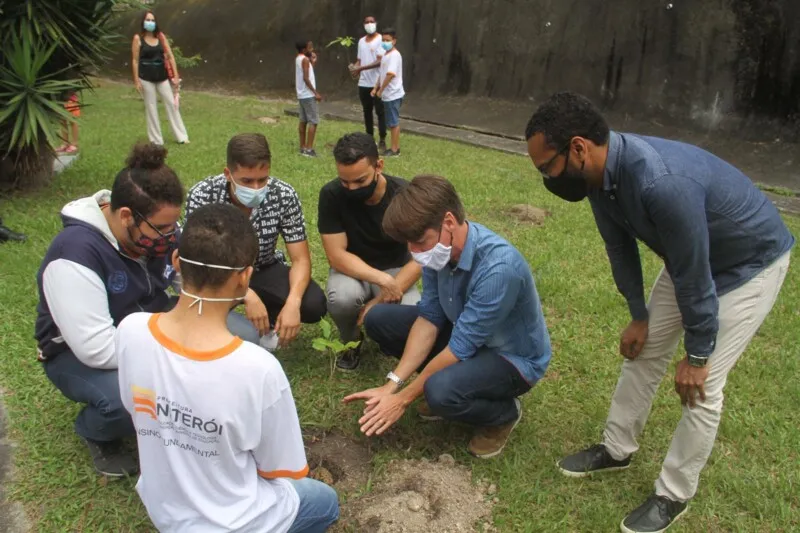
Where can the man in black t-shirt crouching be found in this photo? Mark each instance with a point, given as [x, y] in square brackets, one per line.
[367, 266]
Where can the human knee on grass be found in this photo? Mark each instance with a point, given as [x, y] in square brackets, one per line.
[111, 258]
[482, 287]
[237, 475]
[280, 298]
[367, 266]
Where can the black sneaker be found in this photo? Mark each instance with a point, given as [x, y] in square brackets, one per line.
[653, 516]
[382, 146]
[593, 459]
[111, 459]
[7, 234]
[311, 153]
[349, 360]
[391, 153]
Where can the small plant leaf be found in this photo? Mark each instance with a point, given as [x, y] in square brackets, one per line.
[326, 328]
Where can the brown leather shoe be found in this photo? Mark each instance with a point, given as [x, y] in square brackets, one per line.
[488, 442]
[425, 413]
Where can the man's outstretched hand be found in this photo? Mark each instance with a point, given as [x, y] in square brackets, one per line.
[382, 408]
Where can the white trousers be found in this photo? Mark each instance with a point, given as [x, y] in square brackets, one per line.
[150, 93]
[741, 313]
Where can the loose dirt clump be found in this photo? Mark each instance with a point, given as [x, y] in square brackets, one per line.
[529, 214]
[421, 497]
[337, 460]
[268, 120]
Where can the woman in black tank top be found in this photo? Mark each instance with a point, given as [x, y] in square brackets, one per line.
[155, 74]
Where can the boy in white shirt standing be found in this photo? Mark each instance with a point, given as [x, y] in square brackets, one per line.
[366, 69]
[219, 440]
[307, 96]
[389, 87]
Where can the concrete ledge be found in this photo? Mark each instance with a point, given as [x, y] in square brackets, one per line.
[342, 111]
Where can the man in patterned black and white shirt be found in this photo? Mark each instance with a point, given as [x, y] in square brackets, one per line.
[280, 298]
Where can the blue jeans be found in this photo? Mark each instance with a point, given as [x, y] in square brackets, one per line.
[479, 391]
[104, 418]
[319, 506]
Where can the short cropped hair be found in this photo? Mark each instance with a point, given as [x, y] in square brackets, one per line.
[566, 115]
[421, 206]
[354, 147]
[248, 150]
[216, 234]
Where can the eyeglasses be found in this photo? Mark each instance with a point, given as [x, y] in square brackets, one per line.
[544, 169]
[166, 235]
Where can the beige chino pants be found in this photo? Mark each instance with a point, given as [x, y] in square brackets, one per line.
[741, 313]
[150, 94]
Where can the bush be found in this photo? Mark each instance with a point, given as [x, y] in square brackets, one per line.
[50, 49]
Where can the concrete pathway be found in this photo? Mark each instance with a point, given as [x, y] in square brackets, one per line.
[478, 132]
[12, 516]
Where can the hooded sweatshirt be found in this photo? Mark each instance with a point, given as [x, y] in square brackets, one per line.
[87, 285]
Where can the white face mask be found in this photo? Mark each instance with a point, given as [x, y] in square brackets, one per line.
[198, 300]
[436, 258]
[370, 27]
[251, 198]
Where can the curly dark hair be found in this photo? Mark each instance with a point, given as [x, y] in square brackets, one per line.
[566, 115]
[354, 147]
[216, 234]
[146, 183]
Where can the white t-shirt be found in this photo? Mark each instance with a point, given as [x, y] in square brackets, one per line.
[217, 432]
[302, 89]
[368, 53]
[392, 62]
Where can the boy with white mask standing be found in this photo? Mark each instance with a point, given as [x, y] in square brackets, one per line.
[280, 298]
[215, 409]
[389, 87]
[366, 69]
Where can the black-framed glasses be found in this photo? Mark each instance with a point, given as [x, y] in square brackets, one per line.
[543, 170]
[166, 235]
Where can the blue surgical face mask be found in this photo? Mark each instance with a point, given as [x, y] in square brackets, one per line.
[150, 25]
[387, 45]
[251, 198]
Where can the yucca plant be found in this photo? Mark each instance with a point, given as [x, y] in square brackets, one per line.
[49, 47]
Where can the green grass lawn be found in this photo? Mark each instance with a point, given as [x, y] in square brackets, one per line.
[751, 483]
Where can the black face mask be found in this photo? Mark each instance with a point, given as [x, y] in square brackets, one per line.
[568, 186]
[364, 193]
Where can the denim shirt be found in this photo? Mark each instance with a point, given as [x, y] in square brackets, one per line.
[491, 300]
[714, 229]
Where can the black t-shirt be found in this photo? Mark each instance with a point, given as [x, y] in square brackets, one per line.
[362, 224]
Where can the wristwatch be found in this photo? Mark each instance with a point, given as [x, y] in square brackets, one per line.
[391, 376]
[696, 361]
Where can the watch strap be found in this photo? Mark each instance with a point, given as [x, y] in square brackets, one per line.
[391, 376]
[697, 361]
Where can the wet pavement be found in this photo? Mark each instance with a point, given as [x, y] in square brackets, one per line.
[500, 125]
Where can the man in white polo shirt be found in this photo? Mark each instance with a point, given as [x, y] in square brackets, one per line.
[389, 87]
[366, 69]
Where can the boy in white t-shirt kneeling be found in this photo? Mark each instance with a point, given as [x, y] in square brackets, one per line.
[389, 87]
[220, 446]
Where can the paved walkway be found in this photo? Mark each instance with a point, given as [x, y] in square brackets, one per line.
[12, 516]
[500, 126]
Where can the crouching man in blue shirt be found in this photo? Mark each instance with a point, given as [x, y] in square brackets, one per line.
[477, 337]
[725, 251]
